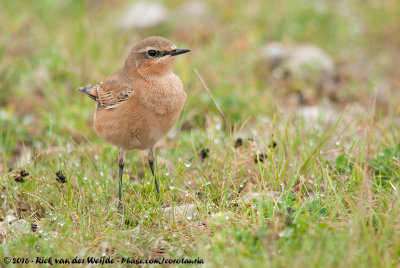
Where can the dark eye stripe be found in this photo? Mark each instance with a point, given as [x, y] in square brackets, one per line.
[155, 53]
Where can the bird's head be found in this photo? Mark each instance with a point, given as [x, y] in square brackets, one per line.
[153, 57]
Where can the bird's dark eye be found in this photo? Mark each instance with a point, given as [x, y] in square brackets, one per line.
[152, 53]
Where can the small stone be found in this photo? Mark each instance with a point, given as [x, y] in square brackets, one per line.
[249, 197]
[194, 9]
[21, 226]
[25, 155]
[308, 61]
[10, 218]
[274, 53]
[220, 218]
[3, 231]
[310, 71]
[186, 210]
[10, 212]
[313, 114]
[143, 15]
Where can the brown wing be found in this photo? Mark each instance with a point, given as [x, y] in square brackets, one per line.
[110, 93]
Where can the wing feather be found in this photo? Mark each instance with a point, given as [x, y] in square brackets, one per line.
[116, 89]
[111, 93]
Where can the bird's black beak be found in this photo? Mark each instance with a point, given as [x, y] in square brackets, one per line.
[178, 51]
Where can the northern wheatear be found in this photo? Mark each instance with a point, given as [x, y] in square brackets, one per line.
[138, 104]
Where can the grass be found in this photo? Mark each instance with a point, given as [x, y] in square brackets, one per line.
[310, 209]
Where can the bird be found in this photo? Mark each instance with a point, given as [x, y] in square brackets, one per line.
[138, 104]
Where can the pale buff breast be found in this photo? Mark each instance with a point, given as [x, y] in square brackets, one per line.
[147, 116]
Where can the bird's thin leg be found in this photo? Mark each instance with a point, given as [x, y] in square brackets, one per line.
[121, 169]
[151, 163]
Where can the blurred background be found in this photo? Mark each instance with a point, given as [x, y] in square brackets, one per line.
[284, 185]
[256, 56]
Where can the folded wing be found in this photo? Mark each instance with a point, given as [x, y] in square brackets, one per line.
[108, 93]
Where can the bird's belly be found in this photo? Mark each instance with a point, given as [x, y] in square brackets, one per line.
[152, 128]
[141, 129]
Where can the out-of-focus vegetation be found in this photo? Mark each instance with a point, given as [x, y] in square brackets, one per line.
[319, 198]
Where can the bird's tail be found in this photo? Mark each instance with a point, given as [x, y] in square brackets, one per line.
[87, 91]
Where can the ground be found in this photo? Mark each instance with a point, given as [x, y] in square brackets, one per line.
[295, 177]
